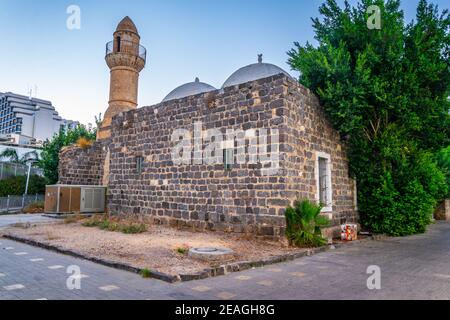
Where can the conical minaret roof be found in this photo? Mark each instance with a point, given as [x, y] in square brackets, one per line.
[127, 25]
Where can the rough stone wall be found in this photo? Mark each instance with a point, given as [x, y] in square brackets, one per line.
[207, 196]
[308, 132]
[83, 166]
[203, 195]
[443, 211]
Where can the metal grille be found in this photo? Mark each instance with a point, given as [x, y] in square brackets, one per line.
[128, 47]
[17, 203]
[8, 170]
[93, 200]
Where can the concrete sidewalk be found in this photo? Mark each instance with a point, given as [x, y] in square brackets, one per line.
[11, 219]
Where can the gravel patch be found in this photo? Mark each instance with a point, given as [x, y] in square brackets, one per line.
[155, 249]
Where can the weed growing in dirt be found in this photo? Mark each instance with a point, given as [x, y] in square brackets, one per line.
[112, 225]
[182, 250]
[146, 273]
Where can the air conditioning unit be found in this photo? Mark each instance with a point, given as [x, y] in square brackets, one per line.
[75, 199]
[93, 199]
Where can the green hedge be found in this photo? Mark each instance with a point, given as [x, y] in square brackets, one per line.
[15, 186]
[443, 160]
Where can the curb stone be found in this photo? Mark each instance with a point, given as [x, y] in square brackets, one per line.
[207, 273]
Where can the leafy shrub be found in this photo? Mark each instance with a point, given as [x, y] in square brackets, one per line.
[37, 207]
[443, 161]
[401, 200]
[15, 186]
[304, 224]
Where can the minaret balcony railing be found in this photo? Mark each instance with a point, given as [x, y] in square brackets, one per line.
[126, 47]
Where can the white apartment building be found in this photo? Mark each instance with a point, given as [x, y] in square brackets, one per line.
[30, 117]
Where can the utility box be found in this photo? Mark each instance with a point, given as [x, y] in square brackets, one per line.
[75, 199]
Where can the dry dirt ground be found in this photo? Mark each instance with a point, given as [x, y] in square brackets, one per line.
[155, 249]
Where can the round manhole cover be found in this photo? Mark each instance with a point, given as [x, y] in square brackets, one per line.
[207, 250]
[212, 254]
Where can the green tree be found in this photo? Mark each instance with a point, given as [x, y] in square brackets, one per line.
[386, 92]
[443, 160]
[50, 154]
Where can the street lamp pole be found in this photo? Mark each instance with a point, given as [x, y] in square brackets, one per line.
[28, 177]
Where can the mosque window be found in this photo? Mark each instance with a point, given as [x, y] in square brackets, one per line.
[118, 44]
[139, 165]
[228, 159]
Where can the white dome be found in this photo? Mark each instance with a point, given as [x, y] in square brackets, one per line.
[253, 72]
[189, 89]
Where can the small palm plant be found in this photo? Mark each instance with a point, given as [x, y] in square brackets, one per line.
[304, 224]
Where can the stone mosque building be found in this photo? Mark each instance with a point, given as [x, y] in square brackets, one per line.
[133, 155]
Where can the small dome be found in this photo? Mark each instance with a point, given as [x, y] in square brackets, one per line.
[189, 89]
[127, 25]
[253, 72]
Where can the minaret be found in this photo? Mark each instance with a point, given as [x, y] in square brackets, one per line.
[125, 58]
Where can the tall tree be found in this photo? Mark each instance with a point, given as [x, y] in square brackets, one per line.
[376, 87]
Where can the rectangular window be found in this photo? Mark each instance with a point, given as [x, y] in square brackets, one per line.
[323, 180]
[139, 165]
[228, 159]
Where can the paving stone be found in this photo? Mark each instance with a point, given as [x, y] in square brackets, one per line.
[346, 275]
[243, 278]
[57, 267]
[201, 288]
[226, 296]
[266, 283]
[443, 276]
[14, 287]
[109, 288]
[298, 274]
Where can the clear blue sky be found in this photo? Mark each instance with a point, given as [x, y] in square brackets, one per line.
[184, 38]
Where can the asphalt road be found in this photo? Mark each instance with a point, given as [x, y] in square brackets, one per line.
[415, 267]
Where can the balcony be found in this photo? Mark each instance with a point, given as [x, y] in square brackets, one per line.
[126, 47]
